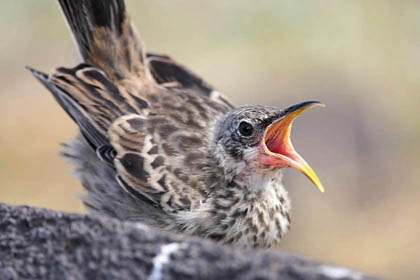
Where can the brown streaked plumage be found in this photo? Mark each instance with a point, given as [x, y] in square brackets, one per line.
[161, 146]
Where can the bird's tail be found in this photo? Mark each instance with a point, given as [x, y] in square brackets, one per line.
[105, 37]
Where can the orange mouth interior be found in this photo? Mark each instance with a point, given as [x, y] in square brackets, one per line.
[277, 148]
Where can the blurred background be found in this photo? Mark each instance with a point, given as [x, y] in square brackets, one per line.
[361, 58]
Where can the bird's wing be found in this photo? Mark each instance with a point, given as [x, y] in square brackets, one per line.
[173, 75]
[122, 109]
[143, 148]
[145, 164]
[62, 84]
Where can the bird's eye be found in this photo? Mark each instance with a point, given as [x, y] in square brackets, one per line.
[246, 129]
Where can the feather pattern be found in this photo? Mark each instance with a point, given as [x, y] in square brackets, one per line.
[158, 142]
[148, 138]
[142, 132]
[105, 37]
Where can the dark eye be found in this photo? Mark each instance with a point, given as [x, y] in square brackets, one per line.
[246, 129]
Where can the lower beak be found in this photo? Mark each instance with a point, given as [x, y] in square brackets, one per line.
[277, 149]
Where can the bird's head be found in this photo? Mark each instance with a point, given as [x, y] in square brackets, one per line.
[257, 139]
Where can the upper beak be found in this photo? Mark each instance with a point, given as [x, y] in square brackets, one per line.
[276, 147]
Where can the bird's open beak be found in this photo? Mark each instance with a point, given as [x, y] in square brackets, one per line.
[277, 149]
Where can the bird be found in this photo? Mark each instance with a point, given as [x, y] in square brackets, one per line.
[158, 145]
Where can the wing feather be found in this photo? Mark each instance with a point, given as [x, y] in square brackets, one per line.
[173, 75]
[145, 167]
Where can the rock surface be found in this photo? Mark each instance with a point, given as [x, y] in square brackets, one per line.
[44, 244]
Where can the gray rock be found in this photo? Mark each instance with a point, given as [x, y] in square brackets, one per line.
[44, 244]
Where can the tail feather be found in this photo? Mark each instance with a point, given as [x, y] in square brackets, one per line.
[105, 37]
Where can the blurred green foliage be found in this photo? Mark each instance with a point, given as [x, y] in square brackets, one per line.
[361, 58]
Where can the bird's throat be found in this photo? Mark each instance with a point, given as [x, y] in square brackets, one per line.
[267, 215]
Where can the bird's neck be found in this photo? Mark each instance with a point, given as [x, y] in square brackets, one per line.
[263, 190]
[250, 209]
[256, 207]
